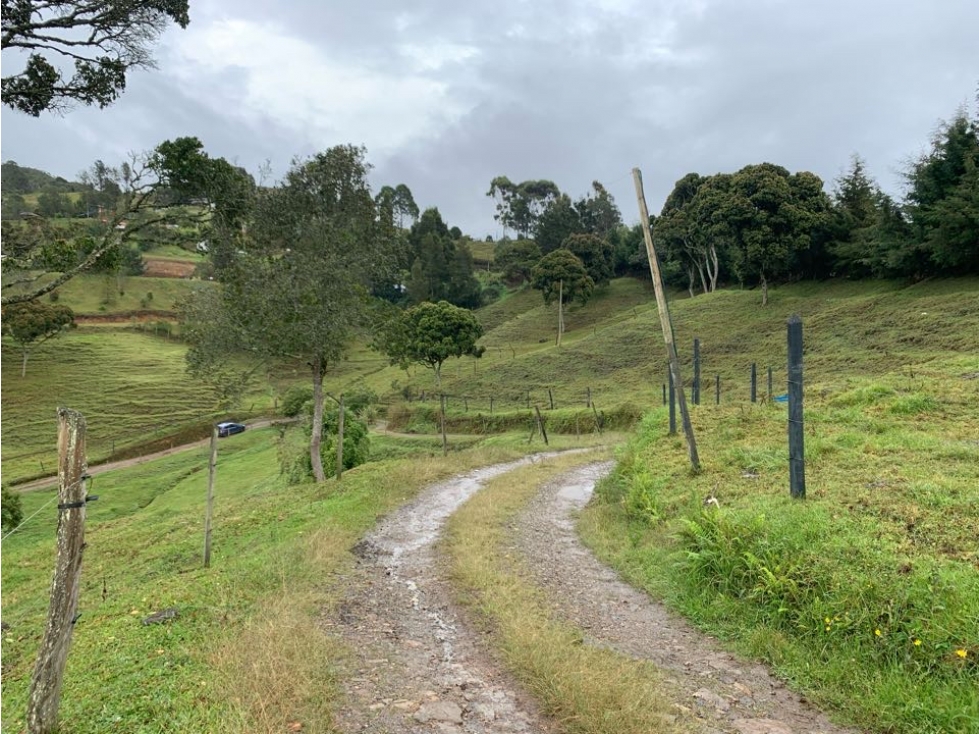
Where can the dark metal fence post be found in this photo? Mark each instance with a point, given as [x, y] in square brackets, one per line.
[672, 405]
[797, 464]
[717, 389]
[550, 396]
[664, 393]
[696, 372]
[754, 382]
[769, 384]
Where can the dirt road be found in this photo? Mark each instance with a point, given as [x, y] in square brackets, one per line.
[418, 665]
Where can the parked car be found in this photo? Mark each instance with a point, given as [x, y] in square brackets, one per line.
[229, 429]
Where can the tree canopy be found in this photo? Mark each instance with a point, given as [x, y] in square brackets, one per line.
[34, 322]
[561, 271]
[429, 334]
[103, 39]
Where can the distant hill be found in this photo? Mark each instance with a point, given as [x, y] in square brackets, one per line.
[18, 179]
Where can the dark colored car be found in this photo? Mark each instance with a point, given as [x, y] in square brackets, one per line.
[229, 429]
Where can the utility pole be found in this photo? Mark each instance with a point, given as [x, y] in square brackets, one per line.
[45, 690]
[664, 318]
[340, 440]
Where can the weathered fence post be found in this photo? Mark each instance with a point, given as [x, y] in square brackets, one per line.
[769, 384]
[340, 417]
[717, 390]
[664, 393]
[550, 396]
[491, 406]
[540, 425]
[44, 697]
[797, 463]
[465, 402]
[754, 382]
[696, 372]
[588, 397]
[209, 504]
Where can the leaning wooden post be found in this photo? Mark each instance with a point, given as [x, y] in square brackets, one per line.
[45, 690]
[664, 318]
[797, 464]
[550, 396]
[669, 376]
[340, 440]
[540, 425]
[209, 505]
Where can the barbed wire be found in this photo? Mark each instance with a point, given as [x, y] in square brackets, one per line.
[24, 522]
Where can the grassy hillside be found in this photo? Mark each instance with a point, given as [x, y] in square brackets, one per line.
[132, 387]
[111, 295]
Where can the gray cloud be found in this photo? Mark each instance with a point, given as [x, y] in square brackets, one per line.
[447, 96]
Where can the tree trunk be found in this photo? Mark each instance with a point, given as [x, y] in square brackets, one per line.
[438, 376]
[713, 269]
[703, 279]
[316, 439]
[23, 364]
[690, 280]
[764, 290]
[560, 311]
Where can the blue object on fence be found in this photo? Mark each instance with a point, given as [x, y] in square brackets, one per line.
[781, 398]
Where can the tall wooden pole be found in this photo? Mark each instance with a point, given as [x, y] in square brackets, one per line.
[45, 690]
[212, 468]
[560, 311]
[797, 453]
[664, 318]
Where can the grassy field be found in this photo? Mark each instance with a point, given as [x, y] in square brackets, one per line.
[110, 295]
[246, 653]
[132, 387]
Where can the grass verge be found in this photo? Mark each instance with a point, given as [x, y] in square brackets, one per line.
[586, 689]
[866, 595]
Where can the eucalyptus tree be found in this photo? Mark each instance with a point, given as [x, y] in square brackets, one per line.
[299, 288]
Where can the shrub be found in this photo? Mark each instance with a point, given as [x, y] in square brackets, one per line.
[294, 462]
[11, 509]
[295, 399]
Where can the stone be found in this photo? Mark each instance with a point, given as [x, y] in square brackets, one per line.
[164, 615]
[707, 697]
[761, 726]
[439, 711]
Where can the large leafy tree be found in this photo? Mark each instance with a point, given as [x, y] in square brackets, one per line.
[519, 206]
[33, 323]
[595, 254]
[430, 334]
[557, 222]
[103, 39]
[440, 267]
[560, 275]
[299, 288]
[598, 212]
[516, 258]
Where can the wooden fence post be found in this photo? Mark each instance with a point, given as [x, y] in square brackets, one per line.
[44, 697]
[669, 376]
[445, 441]
[754, 382]
[209, 505]
[696, 372]
[717, 390]
[550, 395]
[540, 426]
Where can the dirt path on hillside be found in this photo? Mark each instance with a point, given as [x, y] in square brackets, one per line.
[46, 482]
[416, 665]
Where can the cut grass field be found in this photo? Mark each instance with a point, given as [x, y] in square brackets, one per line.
[132, 387]
[246, 653]
[109, 295]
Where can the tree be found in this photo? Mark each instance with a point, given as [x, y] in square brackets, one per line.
[595, 254]
[942, 198]
[558, 221]
[32, 323]
[516, 258]
[404, 204]
[299, 289]
[440, 267]
[104, 39]
[519, 206]
[429, 334]
[598, 213]
[561, 275]
[854, 217]
[11, 511]
[178, 183]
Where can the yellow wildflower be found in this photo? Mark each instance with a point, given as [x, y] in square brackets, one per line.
[917, 643]
[961, 653]
[877, 632]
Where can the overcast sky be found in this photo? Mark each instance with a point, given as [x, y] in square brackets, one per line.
[446, 95]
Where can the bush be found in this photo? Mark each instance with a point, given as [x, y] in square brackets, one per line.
[294, 462]
[11, 509]
[295, 399]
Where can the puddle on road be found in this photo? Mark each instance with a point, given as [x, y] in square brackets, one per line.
[419, 523]
[577, 488]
